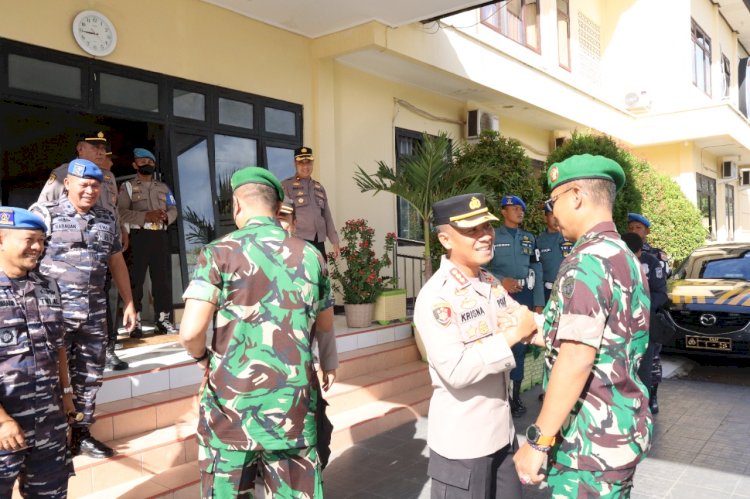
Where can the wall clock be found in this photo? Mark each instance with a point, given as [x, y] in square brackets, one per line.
[94, 33]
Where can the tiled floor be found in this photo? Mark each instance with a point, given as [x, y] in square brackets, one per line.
[699, 451]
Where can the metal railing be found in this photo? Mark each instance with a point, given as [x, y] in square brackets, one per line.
[408, 269]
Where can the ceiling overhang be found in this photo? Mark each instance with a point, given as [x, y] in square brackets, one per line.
[737, 14]
[318, 18]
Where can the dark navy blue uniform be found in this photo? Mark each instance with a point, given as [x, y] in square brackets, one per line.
[650, 369]
[31, 333]
[553, 248]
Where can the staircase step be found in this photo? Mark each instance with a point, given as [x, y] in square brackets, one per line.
[182, 481]
[379, 385]
[137, 456]
[355, 425]
[123, 418]
[376, 358]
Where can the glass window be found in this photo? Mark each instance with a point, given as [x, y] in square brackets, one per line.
[44, 77]
[729, 206]
[706, 187]
[516, 19]
[701, 59]
[129, 93]
[280, 161]
[409, 223]
[726, 73]
[196, 204]
[189, 104]
[232, 153]
[563, 34]
[280, 121]
[235, 113]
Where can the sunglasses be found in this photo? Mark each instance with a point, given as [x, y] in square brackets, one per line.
[550, 203]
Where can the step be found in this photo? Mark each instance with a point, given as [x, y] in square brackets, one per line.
[361, 423]
[123, 418]
[180, 482]
[379, 385]
[376, 358]
[137, 456]
[349, 339]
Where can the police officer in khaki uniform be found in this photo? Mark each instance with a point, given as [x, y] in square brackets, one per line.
[469, 323]
[314, 219]
[147, 207]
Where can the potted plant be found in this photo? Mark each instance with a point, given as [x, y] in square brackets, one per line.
[356, 274]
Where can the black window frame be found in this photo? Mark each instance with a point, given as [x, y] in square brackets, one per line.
[729, 210]
[706, 189]
[697, 32]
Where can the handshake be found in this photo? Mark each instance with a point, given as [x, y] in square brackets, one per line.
[517, 324]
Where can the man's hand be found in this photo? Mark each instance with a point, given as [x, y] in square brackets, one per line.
[519, 325]
[11, 435]
[129, 316]
[154, 216]
[539, 309]
[336, 251]
[528, 462]
[511, 285]
[328, 378]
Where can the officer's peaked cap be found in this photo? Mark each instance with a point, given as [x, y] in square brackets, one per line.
[464, 211]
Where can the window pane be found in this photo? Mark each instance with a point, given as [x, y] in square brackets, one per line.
[44, 77]
[232, 153]
[196, 203]
[189, 104]
[279, 121]
[563, 53]
[129, 93]
[235, 113]
[280, 162]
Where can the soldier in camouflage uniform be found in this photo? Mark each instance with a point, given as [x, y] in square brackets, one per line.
[33, 368]
[82, 243]
[595, 424]
[265, 291]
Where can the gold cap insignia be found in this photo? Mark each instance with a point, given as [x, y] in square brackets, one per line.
[474, 203]
[553, 174]
[100, 135]
[6, 218]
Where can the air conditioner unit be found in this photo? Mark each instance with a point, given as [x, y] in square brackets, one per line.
[745, 177]
[638, 102]
[478, 120]
[728, 169]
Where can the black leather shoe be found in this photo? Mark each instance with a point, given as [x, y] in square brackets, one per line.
[137, 332]
[89, 446]
[514, 411]
[114, 362]
[653, 404]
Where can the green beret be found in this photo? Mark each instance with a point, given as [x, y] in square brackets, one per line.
[584, 166]
[256, 175]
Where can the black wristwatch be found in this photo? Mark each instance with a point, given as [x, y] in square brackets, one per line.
[202, 357]
[535, 438]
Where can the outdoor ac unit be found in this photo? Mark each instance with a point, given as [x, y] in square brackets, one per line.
[478, 120]
[638, 102]
[745, 177]
[728, 169]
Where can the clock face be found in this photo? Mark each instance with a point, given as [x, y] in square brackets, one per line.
[94, 33]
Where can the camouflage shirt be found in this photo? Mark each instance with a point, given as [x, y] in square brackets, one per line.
[268, 288]
[77, 254]
[600, 300]
[31, 332]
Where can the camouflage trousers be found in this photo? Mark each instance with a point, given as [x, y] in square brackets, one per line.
[286, 474]
[567, 483]
[42, 471]
[86, 343]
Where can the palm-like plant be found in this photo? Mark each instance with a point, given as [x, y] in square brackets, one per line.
[427, 176]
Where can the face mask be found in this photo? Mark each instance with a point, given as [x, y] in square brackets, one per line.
[146, 170]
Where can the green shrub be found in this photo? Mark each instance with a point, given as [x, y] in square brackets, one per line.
[516, 176]
[676, 225]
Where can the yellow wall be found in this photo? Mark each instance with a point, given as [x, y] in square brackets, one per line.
[186, 38]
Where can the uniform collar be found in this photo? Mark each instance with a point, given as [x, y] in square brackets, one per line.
[457, 278]
[260, 220]
[601, 229]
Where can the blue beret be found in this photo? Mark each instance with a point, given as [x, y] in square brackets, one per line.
[18, 218]
[140, 152]
[512, 201]
[256, 175]
[637, 217]
[85, 169]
